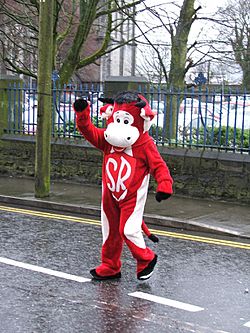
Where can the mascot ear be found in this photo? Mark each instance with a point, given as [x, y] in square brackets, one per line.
[146, 112]
[107, 110]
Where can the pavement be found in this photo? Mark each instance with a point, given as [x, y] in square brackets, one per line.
[185, 213]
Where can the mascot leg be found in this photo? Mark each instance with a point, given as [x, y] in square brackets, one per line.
[130, 229]
[112, 240]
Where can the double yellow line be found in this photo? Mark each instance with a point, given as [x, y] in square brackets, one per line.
[50, 215]
[188, 237]
[201, 239]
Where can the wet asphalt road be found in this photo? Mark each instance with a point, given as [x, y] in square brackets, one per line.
[190, 272]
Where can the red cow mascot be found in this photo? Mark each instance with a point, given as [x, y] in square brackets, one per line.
[130, 156]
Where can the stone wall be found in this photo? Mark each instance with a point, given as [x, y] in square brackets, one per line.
[198, 173]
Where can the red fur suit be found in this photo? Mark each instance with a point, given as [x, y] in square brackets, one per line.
[130, 156]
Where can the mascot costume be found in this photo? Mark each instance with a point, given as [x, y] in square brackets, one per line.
[130, 156]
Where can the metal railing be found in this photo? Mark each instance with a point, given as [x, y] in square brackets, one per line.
[191, 118]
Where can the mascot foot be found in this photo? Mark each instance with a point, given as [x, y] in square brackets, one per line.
[108, 277]
[148, 271]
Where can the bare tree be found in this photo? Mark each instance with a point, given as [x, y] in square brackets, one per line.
[74, 22]
[209, 49]
[150, 65]
[178, 30]
[235, 31]
[175, 31]
[18, 40]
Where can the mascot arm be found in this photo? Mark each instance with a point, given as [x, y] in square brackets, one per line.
[91, 133]
[160, 172]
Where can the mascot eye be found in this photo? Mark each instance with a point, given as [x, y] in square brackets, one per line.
[126, 121]
[118, 120]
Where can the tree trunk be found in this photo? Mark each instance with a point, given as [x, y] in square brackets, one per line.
[43, 137]
[246, 79]
[178, 61]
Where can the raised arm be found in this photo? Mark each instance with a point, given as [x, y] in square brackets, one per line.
[91, 133]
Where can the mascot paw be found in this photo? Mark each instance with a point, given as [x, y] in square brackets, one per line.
[153, 238]
[162, 196]
[80, 104]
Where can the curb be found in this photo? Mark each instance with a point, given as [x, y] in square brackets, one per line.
[151, 219]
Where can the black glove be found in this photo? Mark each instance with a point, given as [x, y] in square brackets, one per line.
[162, 196]
[80, 104]
[153, 238]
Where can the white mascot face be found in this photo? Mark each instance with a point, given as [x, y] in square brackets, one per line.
[121, 132]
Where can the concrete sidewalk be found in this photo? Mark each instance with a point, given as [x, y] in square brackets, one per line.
[212, 216]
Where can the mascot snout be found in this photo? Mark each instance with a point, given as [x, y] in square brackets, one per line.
[126, 138]
[121, 132]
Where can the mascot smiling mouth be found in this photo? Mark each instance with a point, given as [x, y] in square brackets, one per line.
[118, 149]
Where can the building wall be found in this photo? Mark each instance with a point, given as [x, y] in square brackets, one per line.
[196, 173]
[120, 62]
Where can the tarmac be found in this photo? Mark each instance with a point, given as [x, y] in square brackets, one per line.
[179, 212]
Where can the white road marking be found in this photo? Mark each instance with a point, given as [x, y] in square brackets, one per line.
[166, 301]
[247, 324]
[43, 270]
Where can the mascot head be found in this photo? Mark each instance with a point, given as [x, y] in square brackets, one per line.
[128, 116]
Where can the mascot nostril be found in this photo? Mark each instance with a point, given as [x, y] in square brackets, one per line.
[130, 156]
